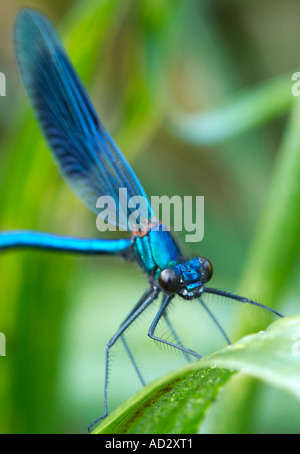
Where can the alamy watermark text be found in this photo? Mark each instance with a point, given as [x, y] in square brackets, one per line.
[135, 214]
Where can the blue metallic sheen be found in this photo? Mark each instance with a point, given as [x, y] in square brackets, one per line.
[85, 153]
[189, 271]
[164, 248]
[156, 250]
[39, 240]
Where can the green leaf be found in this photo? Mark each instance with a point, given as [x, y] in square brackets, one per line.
[270, 265]
[177, 402]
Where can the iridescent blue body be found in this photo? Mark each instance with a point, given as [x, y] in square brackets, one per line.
[92, 165]
[38, 240]
[156, 250]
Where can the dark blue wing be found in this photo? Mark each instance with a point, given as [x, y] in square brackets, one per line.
[87, 156]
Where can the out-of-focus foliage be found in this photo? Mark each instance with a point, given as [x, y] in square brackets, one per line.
[197, 95]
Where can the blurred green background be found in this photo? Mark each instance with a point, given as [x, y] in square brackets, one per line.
[197, 94]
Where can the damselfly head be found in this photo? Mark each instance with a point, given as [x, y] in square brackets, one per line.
[186, 279]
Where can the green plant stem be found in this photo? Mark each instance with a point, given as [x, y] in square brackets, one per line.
[275, 247]
[240, 113]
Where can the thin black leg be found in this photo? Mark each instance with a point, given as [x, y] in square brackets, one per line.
[176, 337]
[133, 360]
[148, 292]
[160, 313]
[215, 320]
[145, 301]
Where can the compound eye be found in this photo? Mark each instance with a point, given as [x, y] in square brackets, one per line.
[207, 269]
[168, 280]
